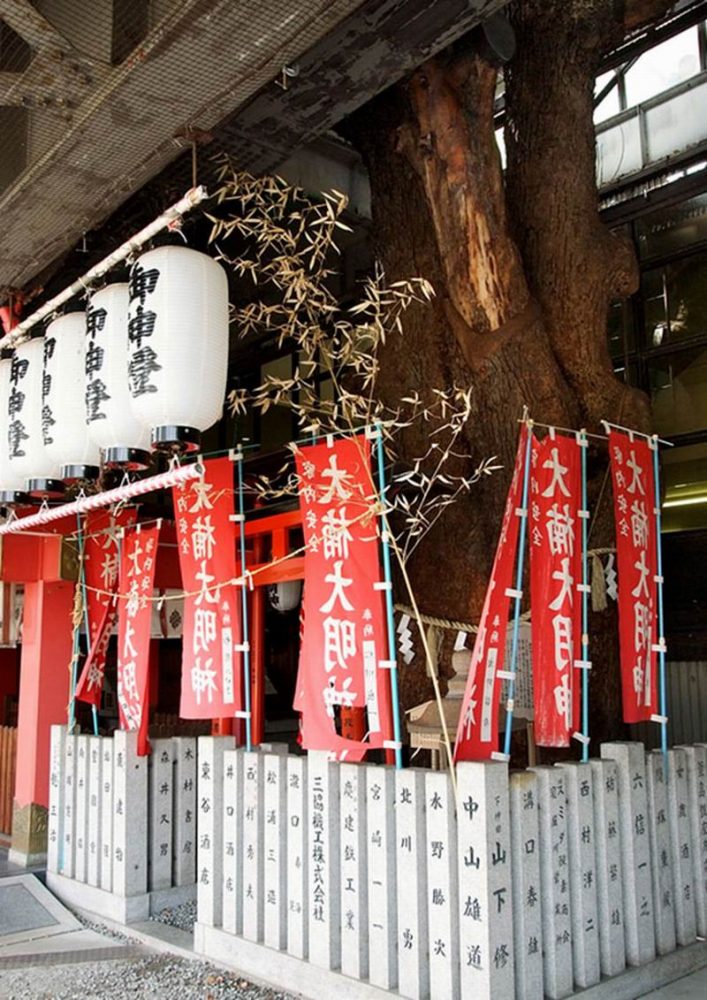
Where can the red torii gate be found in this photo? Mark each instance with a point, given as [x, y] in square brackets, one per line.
[272, 556]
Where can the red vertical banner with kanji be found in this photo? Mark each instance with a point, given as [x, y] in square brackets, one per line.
[212, 685]
[135, 585]
[634, 493]
[555, 575]
[100, 562]
[90, 683]
[477, 733]
[343, 654]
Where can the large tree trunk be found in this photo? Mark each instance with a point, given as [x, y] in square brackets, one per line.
[524, 273]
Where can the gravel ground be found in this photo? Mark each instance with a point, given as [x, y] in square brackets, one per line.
[108, 932]
[154, 977]
[150, 976]
[182, 916]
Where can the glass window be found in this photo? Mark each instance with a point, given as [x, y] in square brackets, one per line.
[678, 389]
[675, 301]
[663, 67]
[611, 105]
[674, 228]
[620, 328]
[326, 390]
[655, 309]
[686, 283]
[627, 373]
[276, 423]
[684, 479]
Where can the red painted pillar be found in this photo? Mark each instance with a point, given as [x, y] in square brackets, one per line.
[44, 696]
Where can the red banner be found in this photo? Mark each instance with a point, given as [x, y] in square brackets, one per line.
[101, 556]
[477, 733]
[90, 684]
[634, 500]
[555, 575]
[211, 664]
[345, 632]
[136, 583]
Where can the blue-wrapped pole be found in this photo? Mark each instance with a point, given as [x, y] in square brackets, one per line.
[244, 603]
[74, 678]
[584, 516]
[388, 579]
[518, 590]
[661, 620]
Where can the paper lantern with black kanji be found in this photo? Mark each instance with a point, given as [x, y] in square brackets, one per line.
[178, 344]
[12, 484]
[28, 455]
[123, 439]
[66, 434]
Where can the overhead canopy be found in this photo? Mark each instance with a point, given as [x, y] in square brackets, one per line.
[96, 99]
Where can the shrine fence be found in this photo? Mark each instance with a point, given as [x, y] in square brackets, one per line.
[122, 828]
[353, 879]
[359, 880]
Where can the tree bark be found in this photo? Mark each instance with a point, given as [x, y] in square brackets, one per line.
[524, 272]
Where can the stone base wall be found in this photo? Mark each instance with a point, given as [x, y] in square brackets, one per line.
[533, 884]
[121, 824]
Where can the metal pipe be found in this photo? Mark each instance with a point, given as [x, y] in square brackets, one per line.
[632, 433]
[562, 430]
[390, 615]
[661, 621]
[163, 481]
[582, 442]
[237, 456]
[258, 610]
[190, 200]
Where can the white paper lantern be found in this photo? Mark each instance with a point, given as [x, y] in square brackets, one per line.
[123, 439]
[286, 595]
[66, 434]
[29, 457]
[178, 344]
[12, 483]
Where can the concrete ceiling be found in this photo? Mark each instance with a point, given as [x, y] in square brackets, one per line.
[102, 113]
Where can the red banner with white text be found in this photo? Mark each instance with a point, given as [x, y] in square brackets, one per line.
[211, 661]
[555, 575]
[634, 502]
[344, 649]
[101, 556]
[477, 733]
[90, 683]
[135, 585]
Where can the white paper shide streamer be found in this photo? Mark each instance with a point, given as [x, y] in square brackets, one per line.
[66, 434]
[124, 441]
[178, 344]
